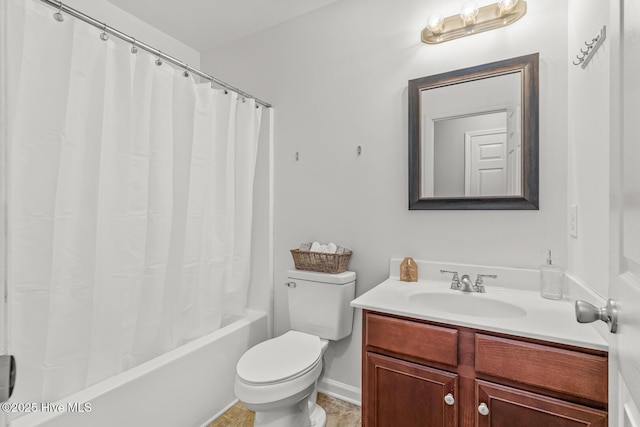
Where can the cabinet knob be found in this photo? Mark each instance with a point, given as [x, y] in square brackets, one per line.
[483, 409]
[449, 400]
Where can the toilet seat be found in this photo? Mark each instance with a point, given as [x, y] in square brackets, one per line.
[280, 359]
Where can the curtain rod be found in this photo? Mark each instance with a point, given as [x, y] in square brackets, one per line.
[104, 27]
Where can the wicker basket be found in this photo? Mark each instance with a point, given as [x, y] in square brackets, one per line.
[322, 262]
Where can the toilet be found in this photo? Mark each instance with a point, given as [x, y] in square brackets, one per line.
[278, 378]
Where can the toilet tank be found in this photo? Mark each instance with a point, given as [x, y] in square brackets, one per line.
[319, 303]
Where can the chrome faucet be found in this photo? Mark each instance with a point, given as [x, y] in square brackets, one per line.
[479, 285]
[455, 280]
[464, 283]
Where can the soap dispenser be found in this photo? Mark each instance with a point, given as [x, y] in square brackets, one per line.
[551, 279]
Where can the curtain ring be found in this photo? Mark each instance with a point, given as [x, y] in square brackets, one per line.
[104, 36]
[58, 16]
[134, 48]
[158, 60]
[186, 71]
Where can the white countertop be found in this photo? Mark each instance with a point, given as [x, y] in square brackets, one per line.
[544, 319]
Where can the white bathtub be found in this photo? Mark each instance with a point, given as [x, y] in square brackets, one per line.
[187, 387]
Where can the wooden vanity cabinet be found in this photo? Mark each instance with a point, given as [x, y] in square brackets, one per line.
[422, 374]
[506, 404]
[400, 390]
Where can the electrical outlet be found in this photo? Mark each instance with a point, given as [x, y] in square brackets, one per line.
[573, 221]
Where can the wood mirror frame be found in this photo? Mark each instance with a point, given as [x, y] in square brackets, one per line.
[528, 199]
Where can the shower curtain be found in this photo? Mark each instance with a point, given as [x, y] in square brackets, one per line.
[130, 205]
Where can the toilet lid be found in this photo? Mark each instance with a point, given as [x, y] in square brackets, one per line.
[280, 358]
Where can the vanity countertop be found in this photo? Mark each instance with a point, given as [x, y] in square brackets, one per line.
[539, 318]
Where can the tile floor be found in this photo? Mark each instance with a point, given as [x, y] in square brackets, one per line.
[339, 414]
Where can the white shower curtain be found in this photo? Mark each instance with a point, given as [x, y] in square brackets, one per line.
[130, 206]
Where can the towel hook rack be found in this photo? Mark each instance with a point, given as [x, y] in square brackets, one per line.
[592, 47]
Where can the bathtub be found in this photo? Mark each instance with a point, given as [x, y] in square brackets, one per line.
[187, 387]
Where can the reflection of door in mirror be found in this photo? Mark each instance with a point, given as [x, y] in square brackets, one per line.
[477, 155]
[485, 162]
[472, 140]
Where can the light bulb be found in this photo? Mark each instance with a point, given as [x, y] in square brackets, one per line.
[506, 6]
[469, 12]
[435, 23]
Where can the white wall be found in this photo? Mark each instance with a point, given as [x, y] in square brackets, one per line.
[338, 79]
[589, 147]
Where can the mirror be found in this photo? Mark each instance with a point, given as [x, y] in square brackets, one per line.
[473, 137]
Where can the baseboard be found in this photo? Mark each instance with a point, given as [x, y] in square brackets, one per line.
[341, 391]
[219, 414]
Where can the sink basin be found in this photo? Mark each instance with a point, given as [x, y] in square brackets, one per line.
[468, 304]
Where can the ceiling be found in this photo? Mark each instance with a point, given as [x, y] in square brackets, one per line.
[207, 24]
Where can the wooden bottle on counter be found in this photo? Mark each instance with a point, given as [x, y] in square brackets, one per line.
[408, 270]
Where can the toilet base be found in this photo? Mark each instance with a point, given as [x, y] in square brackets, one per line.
[318, 417]
[290, 416]
[304, 413]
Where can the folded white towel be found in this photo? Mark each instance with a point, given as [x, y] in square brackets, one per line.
[330, 248]
[305, 246]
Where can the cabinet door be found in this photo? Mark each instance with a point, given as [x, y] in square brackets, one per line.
[508, 407]
[399, 393]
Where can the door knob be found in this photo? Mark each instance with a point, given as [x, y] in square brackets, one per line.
[587, 313]
[483, 409]
[449, 400]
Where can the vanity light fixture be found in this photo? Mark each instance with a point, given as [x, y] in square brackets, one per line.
[472, 20]
[469, 12]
